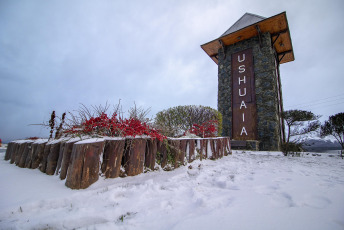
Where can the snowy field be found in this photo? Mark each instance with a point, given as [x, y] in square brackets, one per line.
[247, 190]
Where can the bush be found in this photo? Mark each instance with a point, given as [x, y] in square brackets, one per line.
[292, 148]
[177, 120]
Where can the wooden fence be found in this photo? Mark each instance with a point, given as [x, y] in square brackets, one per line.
[81, 162]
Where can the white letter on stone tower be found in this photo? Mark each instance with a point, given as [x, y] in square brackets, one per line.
[243, 59]
[241, 68]
[243, 130]
[243, 117]
[241, 95]
[244, 80]
[243, 105]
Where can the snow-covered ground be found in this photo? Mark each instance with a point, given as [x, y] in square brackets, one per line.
[247, 190]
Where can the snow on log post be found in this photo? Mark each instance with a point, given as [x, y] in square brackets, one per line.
[162, 153]
[134, 156]
[37, 155]
[85, 164]
[9, 151]
[66, 155]
[43, 164]
[14, 152]
[151, 151]
[112, 157]
[53, 157]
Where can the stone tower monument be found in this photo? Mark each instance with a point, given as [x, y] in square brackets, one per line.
[248, 56]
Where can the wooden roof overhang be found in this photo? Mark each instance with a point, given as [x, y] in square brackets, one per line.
[276, 25]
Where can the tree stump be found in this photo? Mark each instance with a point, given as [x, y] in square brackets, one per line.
[59, 160]
[161, 155]
[226, 146]
[191, 149]
[28, 161]
[52, 158]
[204, 149]
[176, 152]
[14, 152]
[85, 164]
[37, 155]
[9, 151]
[43, 165]
[112, 157]
[212, 154]
[66, 155]
[27, 150]
[134, 156]
[151, 150]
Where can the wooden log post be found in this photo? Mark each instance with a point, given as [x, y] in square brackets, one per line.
[204, 149]
[24, 151]
[28, 160]
[227, 146]
[151, 151]
[191, 146]
[20, 152]
[14, 152]
[66, 155]
[46, 152]
[37, 155]
[9, 151]
[161, 155]
[112, 157]
[27, 150]
[134, 156]
[212, 154]
[85, 164]
[176, 152]
[53, 157]
[182, 149]
[219, 147]
[59, 160]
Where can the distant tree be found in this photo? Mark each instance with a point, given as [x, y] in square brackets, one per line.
[334, 127]
[299, 123]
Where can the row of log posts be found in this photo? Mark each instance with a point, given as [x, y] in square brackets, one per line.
[81, 162]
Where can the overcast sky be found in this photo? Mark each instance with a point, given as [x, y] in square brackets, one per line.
[55, 55]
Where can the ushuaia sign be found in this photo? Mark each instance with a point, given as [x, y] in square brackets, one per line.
[249, 97]
[243, 97]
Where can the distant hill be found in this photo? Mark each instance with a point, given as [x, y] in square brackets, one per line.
[319, 145]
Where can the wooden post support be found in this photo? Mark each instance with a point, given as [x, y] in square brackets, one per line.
[151, 150]
[134, 156]
[85, 164]
[66, 155]
[112, 157]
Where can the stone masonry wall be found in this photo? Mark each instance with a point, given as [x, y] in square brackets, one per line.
[266, 88]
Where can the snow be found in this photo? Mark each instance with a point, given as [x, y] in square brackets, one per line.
[246, 190]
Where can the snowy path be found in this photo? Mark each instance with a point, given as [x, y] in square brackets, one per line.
[252, 190]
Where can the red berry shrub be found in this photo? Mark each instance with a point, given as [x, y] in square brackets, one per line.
[115, 127]
[206, 129]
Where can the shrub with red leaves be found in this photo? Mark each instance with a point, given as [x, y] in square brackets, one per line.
[115, 127]
[206, 129]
